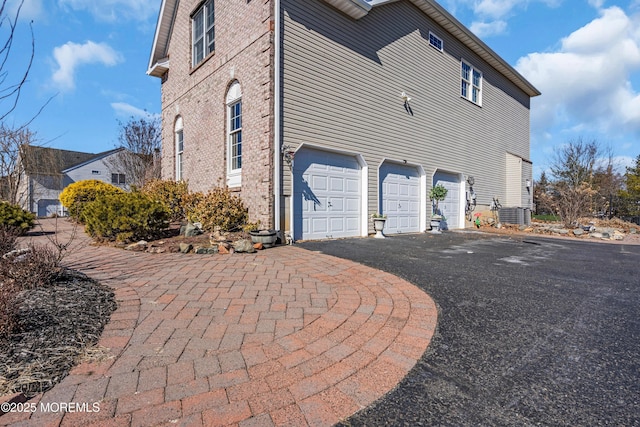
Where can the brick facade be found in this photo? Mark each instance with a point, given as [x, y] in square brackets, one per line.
[244, 53]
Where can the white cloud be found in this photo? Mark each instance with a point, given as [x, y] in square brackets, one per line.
[495, 9]
[113, 10]
[128, 110]
[486, 29]
[72, 55]
[31, 9]
[588, 80]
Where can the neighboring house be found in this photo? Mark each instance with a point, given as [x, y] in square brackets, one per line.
[47, 171]
[322, 112]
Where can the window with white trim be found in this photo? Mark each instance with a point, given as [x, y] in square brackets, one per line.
[435, 41]
[234, 135]
[203, 28]
[179, 137]
[471, 88]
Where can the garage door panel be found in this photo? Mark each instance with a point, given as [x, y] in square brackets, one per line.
[352, 205]
[319, 224]
[334, 186]
[352, 225]
[319, 183]
[337, 205]
[400, 197]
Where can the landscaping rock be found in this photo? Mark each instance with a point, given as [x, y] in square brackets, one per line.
[192, 230]
[618, 235]
[185, 247]
[562, 231]
[578, 232]
[258, 246]
[138, 246]
[243, 245]
[205, 250]
[224, 248]
[596, 235]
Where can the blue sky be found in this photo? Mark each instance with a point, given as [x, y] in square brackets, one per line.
[584, 56]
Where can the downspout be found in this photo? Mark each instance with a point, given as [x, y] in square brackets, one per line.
[277, 149]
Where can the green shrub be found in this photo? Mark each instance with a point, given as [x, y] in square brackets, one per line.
[219, 208]
[125, 217]
[77, 195]
[15, 219]
[170, 194]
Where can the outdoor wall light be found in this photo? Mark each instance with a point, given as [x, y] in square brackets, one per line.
[528, 183]
[406, 98]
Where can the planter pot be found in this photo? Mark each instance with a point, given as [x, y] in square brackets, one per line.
[378, 226]
[435, 225]
[266, 237]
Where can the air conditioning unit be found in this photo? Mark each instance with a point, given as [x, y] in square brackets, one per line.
[518, 216]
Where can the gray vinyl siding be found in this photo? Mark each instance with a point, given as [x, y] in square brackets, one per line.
[342, 84]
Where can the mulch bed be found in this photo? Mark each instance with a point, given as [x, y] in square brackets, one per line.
[57, 326]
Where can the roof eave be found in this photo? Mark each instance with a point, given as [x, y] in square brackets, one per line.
[159, 50]
[354, 8]
[159, 68]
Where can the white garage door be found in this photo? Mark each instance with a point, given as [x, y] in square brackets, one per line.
[450, 207]
[400, 194]
[48, 207]
[326, 192]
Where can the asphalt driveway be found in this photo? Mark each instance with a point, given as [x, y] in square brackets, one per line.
[531, 331]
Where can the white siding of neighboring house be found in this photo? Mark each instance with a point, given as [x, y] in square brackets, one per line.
[43, 192]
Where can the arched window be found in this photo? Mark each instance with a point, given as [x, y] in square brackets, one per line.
[179, 138]
[234, 135]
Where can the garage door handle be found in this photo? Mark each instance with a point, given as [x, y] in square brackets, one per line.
[329, 204]
[399, 206]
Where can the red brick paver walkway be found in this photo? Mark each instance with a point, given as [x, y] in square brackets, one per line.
[281, 337]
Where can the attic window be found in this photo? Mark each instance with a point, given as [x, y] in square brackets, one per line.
[203, 29]
[435, 41]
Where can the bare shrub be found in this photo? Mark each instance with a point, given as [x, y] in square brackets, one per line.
[8, 239]
[22, 269]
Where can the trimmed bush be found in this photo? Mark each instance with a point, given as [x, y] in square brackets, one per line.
[15, 219]
[77, 195]
[190, 203]
[125, 217]
[170, 194]
[220, 208]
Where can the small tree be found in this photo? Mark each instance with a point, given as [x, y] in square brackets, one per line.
[21, 159]
[630, 195]
[141, 160]
[437, 194]
[572, 190]
[540, 194]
